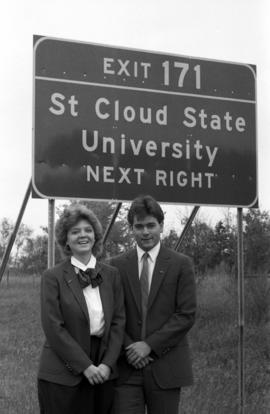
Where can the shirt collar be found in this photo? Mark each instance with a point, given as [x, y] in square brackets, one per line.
[91, 264]
[153, 253]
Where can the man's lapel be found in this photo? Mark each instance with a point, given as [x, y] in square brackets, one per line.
[162, 263]
[73, 283]
[105, 295]
[133, 277]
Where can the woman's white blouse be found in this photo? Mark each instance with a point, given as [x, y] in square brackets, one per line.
[92, 298]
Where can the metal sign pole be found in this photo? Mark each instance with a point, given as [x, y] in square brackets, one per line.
[51, 238]
[15, 230]
[114, 216]
[241, 312]
[186, 228]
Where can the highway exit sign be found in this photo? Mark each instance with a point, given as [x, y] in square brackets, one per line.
[111, 123]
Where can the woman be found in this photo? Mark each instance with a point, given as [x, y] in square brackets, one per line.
[82, 315]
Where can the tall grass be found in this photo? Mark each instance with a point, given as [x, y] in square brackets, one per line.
[215, 340]
[214, 343]
[20, 344]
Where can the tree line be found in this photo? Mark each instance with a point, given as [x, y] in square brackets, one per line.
[209, 246]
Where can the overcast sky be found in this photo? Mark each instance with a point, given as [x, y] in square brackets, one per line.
[231, 30]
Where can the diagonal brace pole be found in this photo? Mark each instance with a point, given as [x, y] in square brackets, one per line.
[186, 228]
[14, 233]
[109, 227]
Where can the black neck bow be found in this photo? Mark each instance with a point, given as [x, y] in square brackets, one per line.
[90, 277]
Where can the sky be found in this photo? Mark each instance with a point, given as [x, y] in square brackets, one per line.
[229, 30]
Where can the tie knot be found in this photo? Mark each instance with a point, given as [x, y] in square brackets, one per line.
[89, 271]
[145, 255]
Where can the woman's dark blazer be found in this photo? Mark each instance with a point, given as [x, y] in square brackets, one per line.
[65, 321]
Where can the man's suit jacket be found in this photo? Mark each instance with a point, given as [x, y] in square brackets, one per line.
[65, 321]
[170, 315]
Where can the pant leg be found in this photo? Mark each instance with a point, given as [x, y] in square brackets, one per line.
[129, 397]
[158, 400]
[56, 398]
[104, 396]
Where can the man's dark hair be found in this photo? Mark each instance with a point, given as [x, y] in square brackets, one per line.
[145, 206]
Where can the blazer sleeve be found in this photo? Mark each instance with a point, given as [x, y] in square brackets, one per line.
[182, 318]
[126, 339]
[53, 323]
[116, 335]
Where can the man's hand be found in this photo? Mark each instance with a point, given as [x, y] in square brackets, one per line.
[143, 362]
[104, 371]
[136, 354]
[93, 375]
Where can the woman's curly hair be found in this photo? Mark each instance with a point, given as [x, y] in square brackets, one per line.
[69, 218]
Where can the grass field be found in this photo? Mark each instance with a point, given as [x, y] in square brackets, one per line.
[214, 342]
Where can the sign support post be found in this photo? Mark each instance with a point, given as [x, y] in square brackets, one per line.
[15, 230]
[241, 312]
[186, 228]
[51, 237]
[108, 229]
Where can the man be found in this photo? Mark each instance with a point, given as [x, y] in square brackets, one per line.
[160, 307]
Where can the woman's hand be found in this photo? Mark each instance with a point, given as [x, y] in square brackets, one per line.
[93, 374]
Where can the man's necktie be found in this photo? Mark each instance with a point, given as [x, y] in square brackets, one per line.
[144, 290]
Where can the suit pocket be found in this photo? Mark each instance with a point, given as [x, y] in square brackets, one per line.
[50, 362]
[178, 360]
